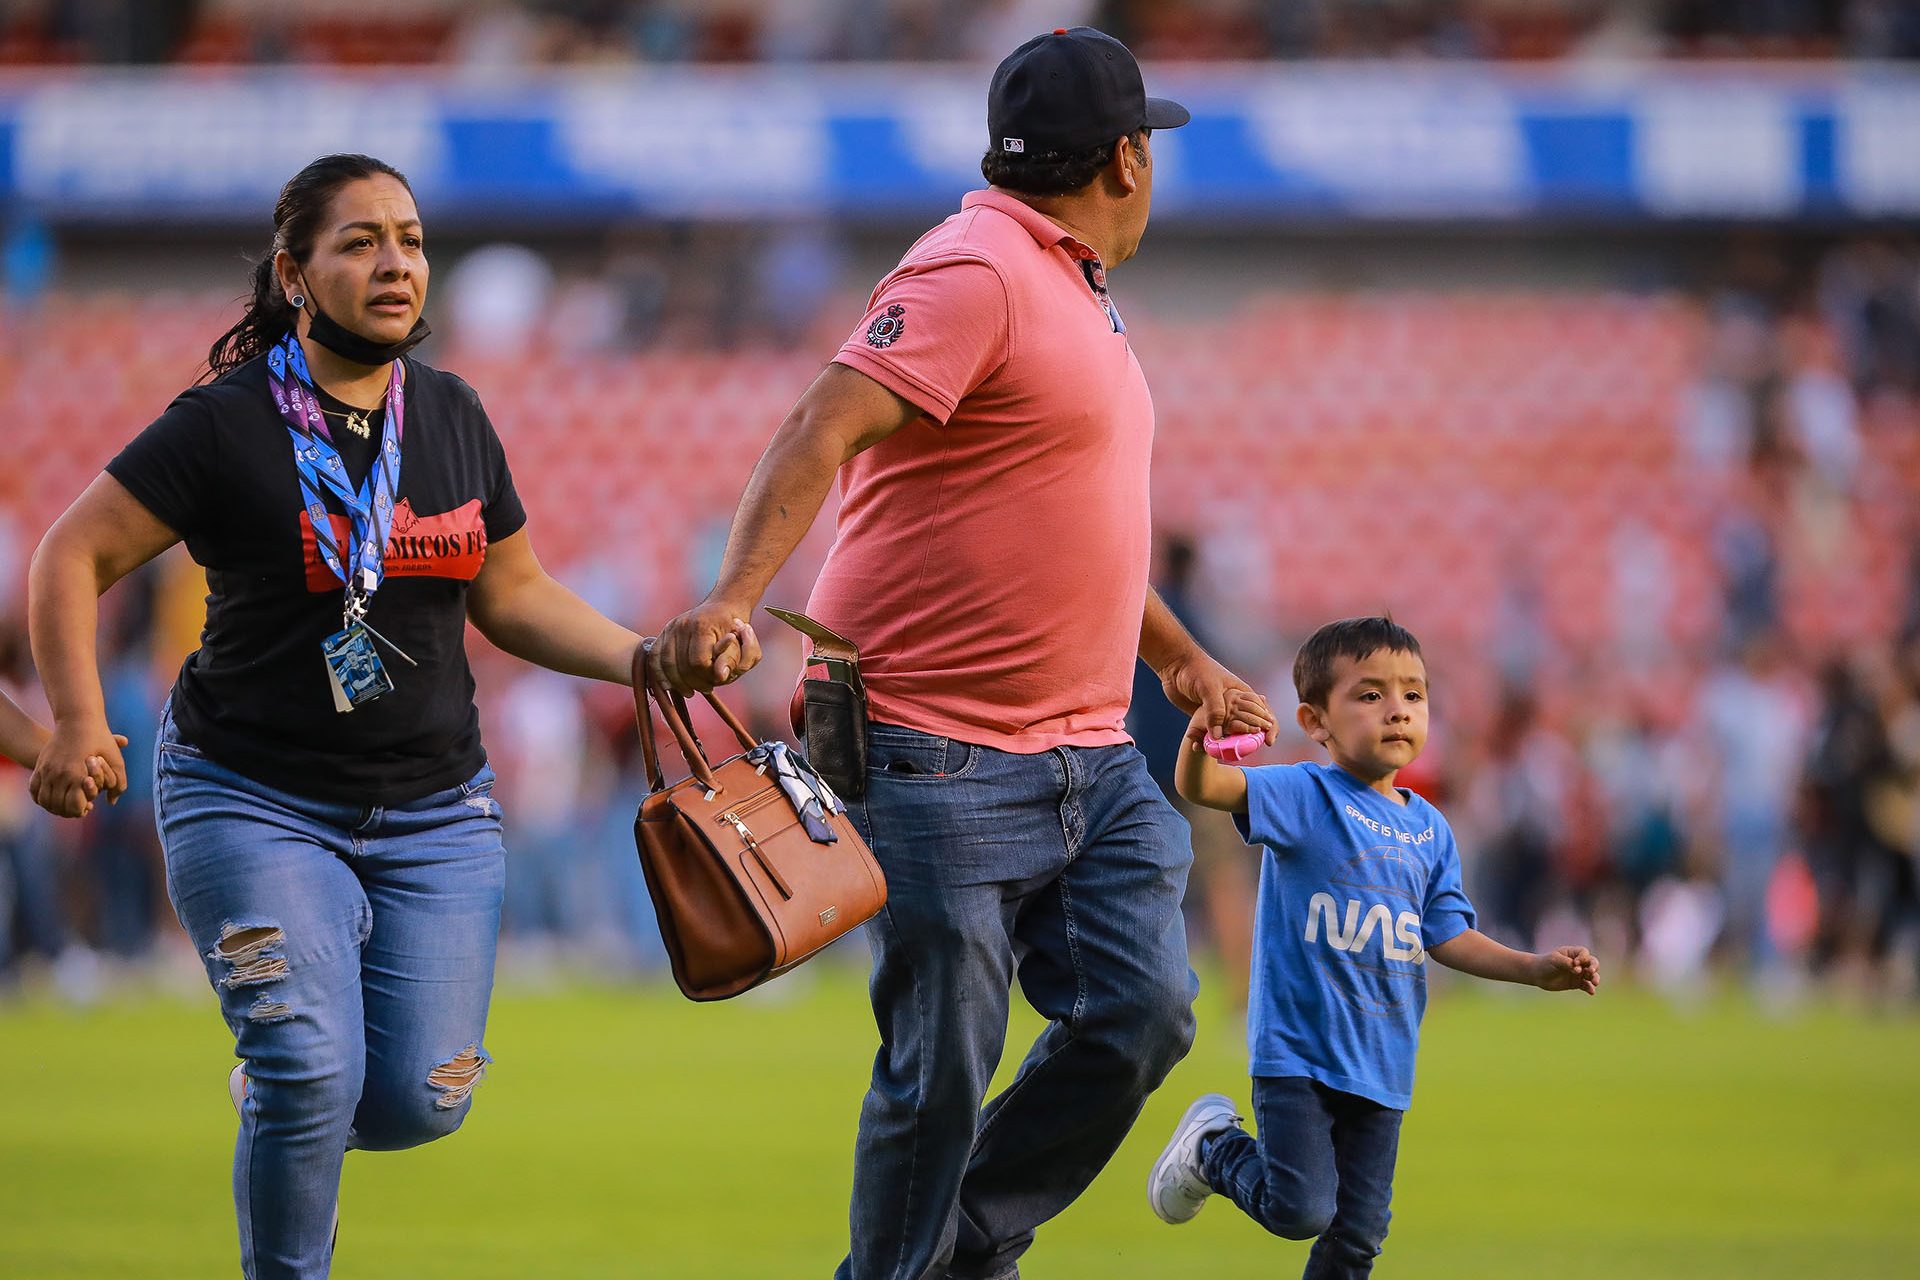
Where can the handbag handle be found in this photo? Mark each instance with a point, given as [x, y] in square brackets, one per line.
[647, 686]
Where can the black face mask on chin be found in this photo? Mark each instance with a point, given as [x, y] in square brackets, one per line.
[349, 345]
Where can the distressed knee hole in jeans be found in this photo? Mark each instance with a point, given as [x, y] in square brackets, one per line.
[251, 953]
[456, 1077]
[267, 1009]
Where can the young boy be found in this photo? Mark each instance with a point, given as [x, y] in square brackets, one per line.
[1359, 884]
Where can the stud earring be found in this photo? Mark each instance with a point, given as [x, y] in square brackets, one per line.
[298, 302]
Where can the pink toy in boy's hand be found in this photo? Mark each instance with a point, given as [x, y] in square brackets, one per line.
[1233, 749]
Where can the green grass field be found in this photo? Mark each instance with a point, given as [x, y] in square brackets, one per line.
[624, 1132]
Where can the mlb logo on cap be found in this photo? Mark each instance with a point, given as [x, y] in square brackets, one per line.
[1015, 145]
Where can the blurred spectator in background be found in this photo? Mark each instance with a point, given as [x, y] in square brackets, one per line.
[636, 272]
[1680, 920]
[1519, 641]
[34, 919]
[1516, 806]
[542, 752]
[1847, 751]
[1752, 722]
[494, 36]
[1823, 419]
[993, 26]
[1642, 769]
[1643, 595]
[137, 31]
[1717, 414]
[1889, 901]
[1749, 569]
[796, 272]
[120, 849]
[15, 809]
[498, 299]
[1882, 29]
[1870, 293]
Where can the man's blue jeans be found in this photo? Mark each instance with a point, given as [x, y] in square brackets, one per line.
[352, 950]
[1321, 1170]
[1067, 869]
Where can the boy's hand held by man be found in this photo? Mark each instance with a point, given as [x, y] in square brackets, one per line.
[1222, 703]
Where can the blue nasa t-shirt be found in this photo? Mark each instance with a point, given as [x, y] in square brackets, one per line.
[1353, 890]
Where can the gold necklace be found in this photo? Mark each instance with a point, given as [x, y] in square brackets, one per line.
[357, 421]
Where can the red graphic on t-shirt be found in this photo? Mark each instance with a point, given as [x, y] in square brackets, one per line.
[450, 545]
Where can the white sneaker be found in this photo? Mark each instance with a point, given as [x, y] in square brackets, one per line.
[237, 1090]
[1175, 1188]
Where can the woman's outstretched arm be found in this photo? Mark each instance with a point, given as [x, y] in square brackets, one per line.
[524, 611]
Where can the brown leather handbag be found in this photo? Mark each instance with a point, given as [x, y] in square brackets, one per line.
[747, 881]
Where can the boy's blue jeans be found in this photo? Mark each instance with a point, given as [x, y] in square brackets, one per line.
[352, 950]
[1321, 1170]
[1067, 869]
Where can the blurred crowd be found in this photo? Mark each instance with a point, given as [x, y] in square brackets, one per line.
[1748, 805]
[505, 33]
[1753, 805]
[681, 286]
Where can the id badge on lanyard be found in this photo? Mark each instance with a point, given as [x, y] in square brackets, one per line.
[354, 669]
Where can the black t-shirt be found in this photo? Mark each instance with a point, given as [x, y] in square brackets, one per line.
[217, 467]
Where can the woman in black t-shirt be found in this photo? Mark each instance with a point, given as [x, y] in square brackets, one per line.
[321, 791]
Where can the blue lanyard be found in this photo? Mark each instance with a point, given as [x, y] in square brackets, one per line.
[370, 508]
[1096, 275]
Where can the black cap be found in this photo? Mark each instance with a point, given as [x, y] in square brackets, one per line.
[1071, 90]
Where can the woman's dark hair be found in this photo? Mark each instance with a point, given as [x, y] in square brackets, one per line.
[297, 217]
[1354, 638]
[1053, 173]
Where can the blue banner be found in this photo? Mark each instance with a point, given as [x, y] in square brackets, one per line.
[1269, 144]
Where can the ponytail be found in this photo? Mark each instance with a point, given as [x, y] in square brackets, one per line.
[269, 318]
[297, 218]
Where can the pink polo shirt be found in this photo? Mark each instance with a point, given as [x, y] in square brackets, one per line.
[991, 557]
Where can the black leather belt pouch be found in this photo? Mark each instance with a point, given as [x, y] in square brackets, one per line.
[836, 734]
[832, 717]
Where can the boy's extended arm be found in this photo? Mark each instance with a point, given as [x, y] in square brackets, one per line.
[1205, 781]
[1195, 681]
[1561, 969]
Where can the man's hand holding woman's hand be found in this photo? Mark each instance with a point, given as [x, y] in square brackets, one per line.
[709, 645]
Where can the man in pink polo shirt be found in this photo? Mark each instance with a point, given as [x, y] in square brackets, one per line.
[992, 433]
